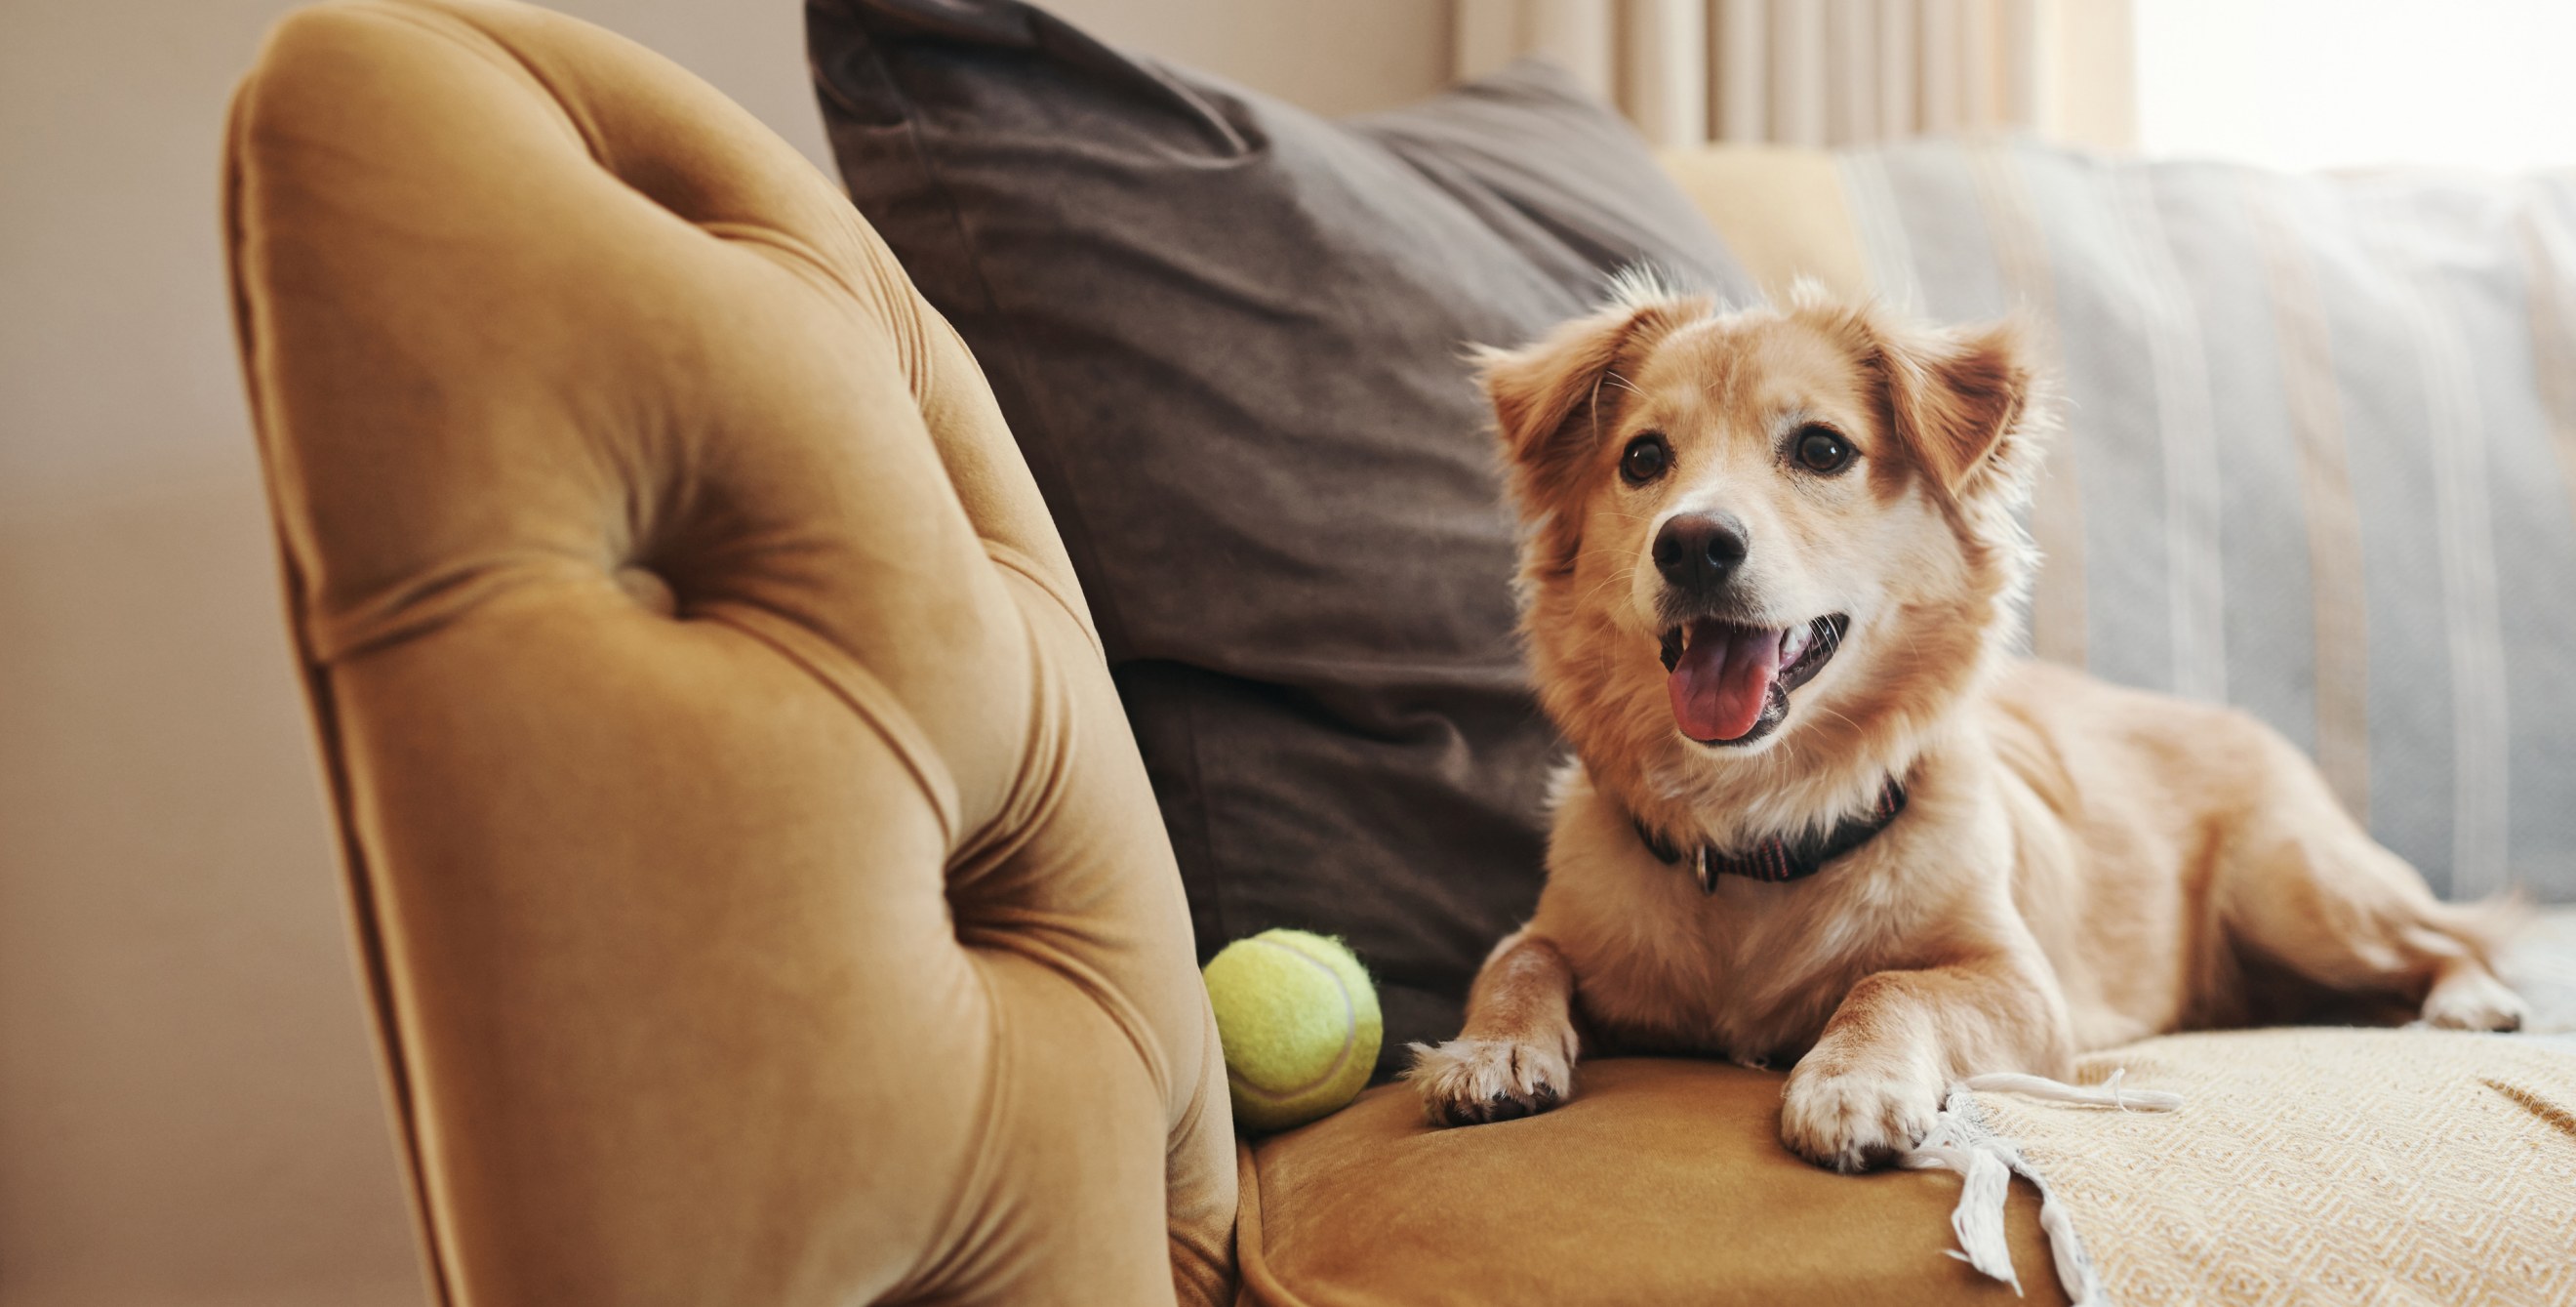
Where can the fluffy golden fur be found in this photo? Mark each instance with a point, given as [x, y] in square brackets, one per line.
[2078, 864]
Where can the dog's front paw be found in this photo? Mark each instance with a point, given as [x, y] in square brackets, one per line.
[1473, 1081]
[1856, 1120]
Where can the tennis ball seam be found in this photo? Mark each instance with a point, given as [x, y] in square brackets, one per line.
[1350, 1031]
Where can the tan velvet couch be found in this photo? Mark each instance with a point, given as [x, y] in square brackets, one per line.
[760, 893]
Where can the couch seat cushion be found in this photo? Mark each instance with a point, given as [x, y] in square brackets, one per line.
[1661, 1181]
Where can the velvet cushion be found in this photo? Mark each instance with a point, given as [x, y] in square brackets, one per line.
[760, 893]
[1660, 1181]
[1228, 335]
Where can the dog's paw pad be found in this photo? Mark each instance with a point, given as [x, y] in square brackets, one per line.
[1855, 1121]
[2474, 1000]
[1475, 1081]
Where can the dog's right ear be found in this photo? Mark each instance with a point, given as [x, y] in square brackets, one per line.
[1555, 401]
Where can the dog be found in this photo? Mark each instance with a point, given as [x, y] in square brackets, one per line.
[1818, 812]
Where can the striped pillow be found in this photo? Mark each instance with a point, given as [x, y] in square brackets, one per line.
[2321, 453]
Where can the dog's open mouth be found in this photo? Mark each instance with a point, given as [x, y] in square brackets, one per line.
[1730, 684]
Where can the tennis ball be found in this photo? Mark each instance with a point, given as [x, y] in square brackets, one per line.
[1300, 1026]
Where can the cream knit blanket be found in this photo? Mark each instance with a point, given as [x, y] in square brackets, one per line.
[2326, 1166]
[2316, 1166]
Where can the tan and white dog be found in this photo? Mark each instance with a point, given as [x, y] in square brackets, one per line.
[1770, 582]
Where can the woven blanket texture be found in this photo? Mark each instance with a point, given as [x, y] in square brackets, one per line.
[2326, 1166]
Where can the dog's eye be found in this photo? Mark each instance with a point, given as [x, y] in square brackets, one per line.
[1646, 458]
[1822, 450]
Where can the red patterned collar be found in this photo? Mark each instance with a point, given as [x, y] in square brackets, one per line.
[1778, 859]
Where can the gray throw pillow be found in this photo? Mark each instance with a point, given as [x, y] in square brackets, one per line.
[1228, 335]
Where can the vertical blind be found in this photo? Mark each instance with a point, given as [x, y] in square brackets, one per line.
[1828, 72]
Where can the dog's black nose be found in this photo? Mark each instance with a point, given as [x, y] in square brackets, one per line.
[1699, 552]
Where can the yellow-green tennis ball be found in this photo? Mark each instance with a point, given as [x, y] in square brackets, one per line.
[1300, 1025]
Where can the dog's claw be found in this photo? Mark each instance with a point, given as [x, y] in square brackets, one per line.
[1853, 1122]
[1481, 1081]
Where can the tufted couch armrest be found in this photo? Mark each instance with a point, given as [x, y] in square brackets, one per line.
[760, 894]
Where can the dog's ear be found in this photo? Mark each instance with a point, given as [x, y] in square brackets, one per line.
[1555, 401]
[1957, 400]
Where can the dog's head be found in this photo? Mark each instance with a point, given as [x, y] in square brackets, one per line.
[1761, 530]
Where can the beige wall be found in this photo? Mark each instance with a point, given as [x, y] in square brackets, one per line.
[188, 1104]
[1334, 56]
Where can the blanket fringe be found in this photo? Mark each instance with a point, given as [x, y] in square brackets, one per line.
[2106, 1094]
[1961, 1141]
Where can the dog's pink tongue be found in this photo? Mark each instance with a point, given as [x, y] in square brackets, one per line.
[1723, 681]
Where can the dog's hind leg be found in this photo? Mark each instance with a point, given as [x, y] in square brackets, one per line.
[1516, 1055]
[2300, 883]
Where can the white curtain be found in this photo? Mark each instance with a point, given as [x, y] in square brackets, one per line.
[1829, 72]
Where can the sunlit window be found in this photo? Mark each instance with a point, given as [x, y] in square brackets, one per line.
[2337, 83]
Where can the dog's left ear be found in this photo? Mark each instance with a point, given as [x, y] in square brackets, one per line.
[1554, 400]
[1957, 399]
